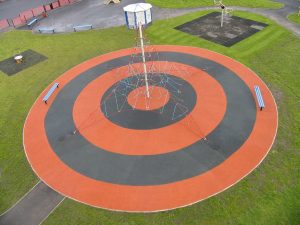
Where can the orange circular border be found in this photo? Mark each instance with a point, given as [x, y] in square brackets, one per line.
[203, 119]
[74, 185]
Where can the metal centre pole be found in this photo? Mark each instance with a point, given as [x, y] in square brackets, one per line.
[144, 59]
[222, 18]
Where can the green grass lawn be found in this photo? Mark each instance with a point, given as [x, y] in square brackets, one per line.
[18, 92]
[294, 18]
[270, 195]
[198, 3]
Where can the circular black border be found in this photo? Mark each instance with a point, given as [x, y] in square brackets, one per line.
[131, 118]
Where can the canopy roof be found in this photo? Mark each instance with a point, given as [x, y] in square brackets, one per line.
[138, 7]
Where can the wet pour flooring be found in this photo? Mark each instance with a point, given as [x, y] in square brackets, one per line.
[30, 58]
[234, 30]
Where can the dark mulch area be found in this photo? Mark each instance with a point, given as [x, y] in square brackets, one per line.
[30, 58]
[234, 30]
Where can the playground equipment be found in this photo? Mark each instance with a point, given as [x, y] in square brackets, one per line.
[106, 2]
[18, 59]
[225, 10]
[149, 84]
[138, 16]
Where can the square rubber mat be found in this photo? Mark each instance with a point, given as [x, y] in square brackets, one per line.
[234, 30]
[30, 58]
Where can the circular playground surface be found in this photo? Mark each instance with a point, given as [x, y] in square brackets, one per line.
[120, 151]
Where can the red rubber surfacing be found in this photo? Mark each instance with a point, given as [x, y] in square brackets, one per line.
[208, 111]
[68, 182]
[158, 97]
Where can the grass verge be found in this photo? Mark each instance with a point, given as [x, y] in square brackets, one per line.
[294, 18]
[18, 92]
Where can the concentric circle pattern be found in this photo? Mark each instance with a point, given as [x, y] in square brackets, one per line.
[100, 141]
[211, 107]
[115, 106]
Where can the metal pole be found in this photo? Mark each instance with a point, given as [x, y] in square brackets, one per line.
[222, 18]
[144, 59]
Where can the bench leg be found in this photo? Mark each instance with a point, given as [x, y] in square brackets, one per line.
[46, 102]
[261, 108]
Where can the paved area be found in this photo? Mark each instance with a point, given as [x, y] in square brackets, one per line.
[279, 15]
[235, 28]
[101, 16]
[30, 58]
[33, 208]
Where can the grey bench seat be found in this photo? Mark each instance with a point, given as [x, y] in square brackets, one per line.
[83, 27]
[31, 22]
[46, 30]
[259, 98]
[50, 92]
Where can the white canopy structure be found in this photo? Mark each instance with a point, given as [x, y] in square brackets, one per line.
[139, 13]
[138, 16]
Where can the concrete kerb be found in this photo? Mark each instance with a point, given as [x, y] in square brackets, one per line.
[53, 210]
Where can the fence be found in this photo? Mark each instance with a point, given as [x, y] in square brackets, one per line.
[27, 15]
[4, 24]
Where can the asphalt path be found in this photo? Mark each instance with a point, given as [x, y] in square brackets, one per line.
[102, 16]
[33, 208]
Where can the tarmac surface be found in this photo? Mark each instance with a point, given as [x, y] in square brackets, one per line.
[102, 16]
[234, 30]
[94, 12]
[279, 15]
[9, 66]
[34, 207]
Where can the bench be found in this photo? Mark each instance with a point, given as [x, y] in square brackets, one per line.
[259, 98]
[50, 92]
[30, 23]
[83, 27]
[46, 30]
